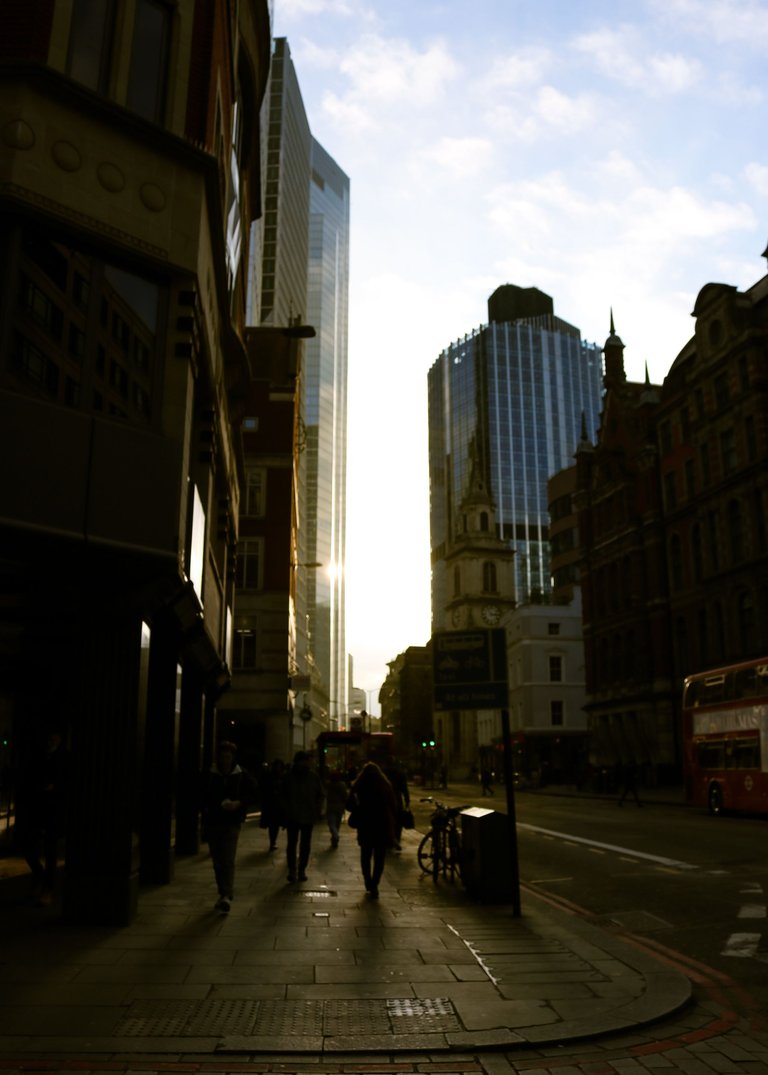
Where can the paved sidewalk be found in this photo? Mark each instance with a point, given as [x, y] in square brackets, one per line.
[319, 968]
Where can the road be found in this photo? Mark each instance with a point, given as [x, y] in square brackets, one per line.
[686, 883]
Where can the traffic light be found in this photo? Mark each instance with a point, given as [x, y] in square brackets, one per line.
[428, 743]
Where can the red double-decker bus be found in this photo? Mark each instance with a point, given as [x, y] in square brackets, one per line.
[725, 728]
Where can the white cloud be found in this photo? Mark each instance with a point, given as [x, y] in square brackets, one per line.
[757, 177]
[524, 68]
[618, 55]
[460, 157]
[545, 113]
[723, 21]
[293, 10]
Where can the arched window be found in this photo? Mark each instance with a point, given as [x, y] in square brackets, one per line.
[681, 643]
[746, 613]
[489, 577]
[697, 553]
[483, 521]
[675, 562]
[735, 531]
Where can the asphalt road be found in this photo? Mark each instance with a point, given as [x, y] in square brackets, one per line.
[686, 883]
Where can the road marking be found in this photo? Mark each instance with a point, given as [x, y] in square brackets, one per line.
[752, 910]
[741, 945]
[608, 847]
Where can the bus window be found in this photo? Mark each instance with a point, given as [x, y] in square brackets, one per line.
[712, 755]
[746, 754]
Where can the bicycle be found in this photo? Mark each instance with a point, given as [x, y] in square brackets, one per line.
[440, 850]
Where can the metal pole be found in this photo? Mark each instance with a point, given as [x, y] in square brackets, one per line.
[509, 781]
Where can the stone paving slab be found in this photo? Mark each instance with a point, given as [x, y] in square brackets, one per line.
[319, 969]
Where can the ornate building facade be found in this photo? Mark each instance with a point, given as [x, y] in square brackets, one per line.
[128, 181]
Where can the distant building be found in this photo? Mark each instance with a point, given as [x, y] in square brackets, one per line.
[513, 391]
[291, 605]
[321, 605]
[547, 692]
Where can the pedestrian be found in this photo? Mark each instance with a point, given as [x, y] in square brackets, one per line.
[302, 806]
[227, 791]
[336, 795]
[373, 808]
[629, 783]
[399, 782]
[486, 780]
[41, 806]
[271, 789]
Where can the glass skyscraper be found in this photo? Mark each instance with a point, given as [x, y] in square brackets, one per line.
[323, 461]
[513, 393]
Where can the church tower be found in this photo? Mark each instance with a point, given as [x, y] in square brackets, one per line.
[480, 565]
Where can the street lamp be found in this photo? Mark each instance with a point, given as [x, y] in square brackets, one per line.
[306, 715]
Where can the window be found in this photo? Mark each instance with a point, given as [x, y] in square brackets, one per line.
[704, 458]
[250, 567]
[690, 479]
[555, 669]
[489, 577]
[750, 437]
[676, 561]
[255, 488]
[670, 490]
[735, 531]
[556, 714]
[666, 437]
[483, 521]
[457, 580]
[722, 390]
[244, 648]
[728, 450]
[149, 59]
[553, 628]
[90, 41]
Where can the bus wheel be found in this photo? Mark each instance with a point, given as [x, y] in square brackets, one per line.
[715, 800]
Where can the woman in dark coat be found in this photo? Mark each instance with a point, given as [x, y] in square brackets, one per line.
[375, 810]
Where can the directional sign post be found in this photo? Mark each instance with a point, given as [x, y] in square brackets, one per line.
[469, 671]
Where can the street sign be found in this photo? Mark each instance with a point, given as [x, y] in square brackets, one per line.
[469, 669]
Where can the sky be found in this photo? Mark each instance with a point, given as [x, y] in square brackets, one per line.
[612, 154]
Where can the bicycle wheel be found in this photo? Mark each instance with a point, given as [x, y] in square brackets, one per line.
[426, 853]
[454, 853]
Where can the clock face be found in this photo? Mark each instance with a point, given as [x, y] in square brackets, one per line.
[491, 614]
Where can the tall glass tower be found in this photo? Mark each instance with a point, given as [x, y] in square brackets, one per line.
[323, 462]
[512, 393]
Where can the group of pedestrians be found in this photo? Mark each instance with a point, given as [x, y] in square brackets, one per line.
[294, 798]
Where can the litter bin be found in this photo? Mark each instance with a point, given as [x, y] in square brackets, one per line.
[486, 869]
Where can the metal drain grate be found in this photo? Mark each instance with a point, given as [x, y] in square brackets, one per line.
[315, 893]
[283, 1018]
[219, 1017]
[411, 1016]
[295, 1018]
[348, 1018]
[146, 1018]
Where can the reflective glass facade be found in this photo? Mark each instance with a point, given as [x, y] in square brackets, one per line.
[518, 390]
[323, 475]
